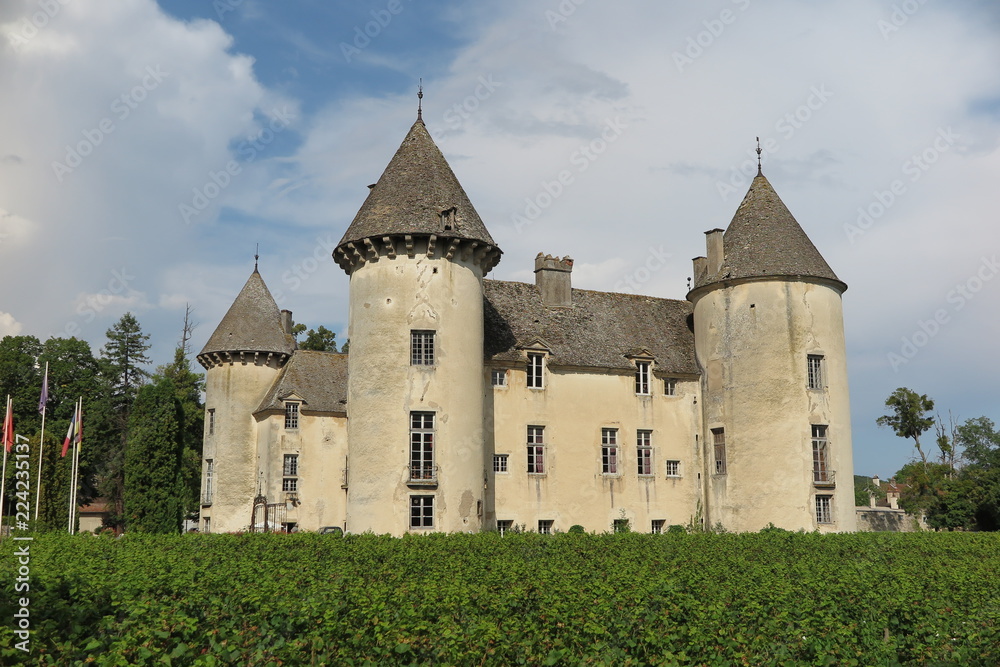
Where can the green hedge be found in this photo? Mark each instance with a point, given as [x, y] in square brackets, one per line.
[769, 598]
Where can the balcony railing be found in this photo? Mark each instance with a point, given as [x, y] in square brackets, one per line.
[423, 474]
[824, 478]
[206, 499]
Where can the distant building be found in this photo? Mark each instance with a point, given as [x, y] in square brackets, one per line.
[468, 404]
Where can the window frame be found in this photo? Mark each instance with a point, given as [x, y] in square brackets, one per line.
[676, 465]
[719, 449]
[211, 421]
[423, 347]
[501, 464]
[421, 512]
[498, 374]
[644, 453]
[821, 454]
[505, 526]
[815, 375]
[290, 473]
[669, 386]
[824, 509]
[293, 412]
[656, 526]
[421, 465]
[609, 451]
[545, 526]
[535, 370]
[209, 483]
[535, 439]
[643, 373]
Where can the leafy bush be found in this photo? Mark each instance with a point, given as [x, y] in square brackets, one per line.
[774, 598]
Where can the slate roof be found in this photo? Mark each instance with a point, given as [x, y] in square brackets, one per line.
[598, 330]
[252, 323]
[318, 378]
[413, 191]
[764, 239]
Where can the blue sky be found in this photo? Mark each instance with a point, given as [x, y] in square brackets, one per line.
[209, 127]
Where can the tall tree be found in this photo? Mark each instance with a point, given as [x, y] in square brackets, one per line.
[188, 388]
[909, 416]
[123, 359]
[154, 487]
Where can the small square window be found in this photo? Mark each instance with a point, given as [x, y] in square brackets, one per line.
[673, 468]
[656, 526]
[499, 463]
[504, 526]
[498, 377]
[422, 348]
[291, 416]
[669, 386]
[421, 511]
[621, 525]
[545, 526]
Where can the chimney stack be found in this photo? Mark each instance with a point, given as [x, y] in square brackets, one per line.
[713, 239]
[286, 321]
[552, 277]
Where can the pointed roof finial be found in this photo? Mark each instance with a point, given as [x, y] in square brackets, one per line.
[420, 100]
[759, 171]
[256, 256]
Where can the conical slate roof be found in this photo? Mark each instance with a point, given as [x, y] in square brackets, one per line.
[252, 324]
[411, 195]
[764, 239]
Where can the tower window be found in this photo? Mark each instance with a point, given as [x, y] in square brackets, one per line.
[421, 511]
[535, 369]
[609, 451]
[642, 378]
[211, 421]
[536, 450]
[644, 452]
[719, 443]
[422, 348]
[821, 465]
[422, 446]
[814, 367]
[291, 415]
[824, 509]
[290, 473]
[206, 495]
[448, 222]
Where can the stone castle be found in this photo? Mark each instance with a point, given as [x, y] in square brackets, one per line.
[468, 404]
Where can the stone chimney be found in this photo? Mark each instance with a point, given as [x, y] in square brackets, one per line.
[713, 240]
[286, 321]
[700, 266]
[552, 277]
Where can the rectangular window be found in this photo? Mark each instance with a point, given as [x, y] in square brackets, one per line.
[536, 450]
[642, 378]
[656, 526]
[673, 468]
[644, 452]
[421, 511]
[208, 524]
[499, 463]
[421, 446]
[211, 421]
[290, 473]
[719, 441]
[821, 468]
[814, 365]
[535, 371]
[504, 526]
[206, 496]
[669, 386]
[498, 377]
[422, 348]
[545, 526]
[609, 451]
[291, 415]
[824, 510]
[621, 525]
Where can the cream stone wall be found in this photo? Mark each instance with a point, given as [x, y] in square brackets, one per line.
[234, 390]
[573, 407]
[320, 442]
[389, 297]
[751, 340]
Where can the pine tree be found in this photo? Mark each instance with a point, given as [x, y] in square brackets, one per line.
[154, 490]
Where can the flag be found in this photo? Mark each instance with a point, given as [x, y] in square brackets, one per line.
[45, 391]
[8, 428]
[70, 434]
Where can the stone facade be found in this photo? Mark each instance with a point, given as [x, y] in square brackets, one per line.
[468, 404]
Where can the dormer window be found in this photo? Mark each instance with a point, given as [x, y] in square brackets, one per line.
[448, 222]
[642, 378]
[536, 365]
[291, 415]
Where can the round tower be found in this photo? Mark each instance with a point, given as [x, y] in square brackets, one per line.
[241, 360]
[416, 254]
[769, 339]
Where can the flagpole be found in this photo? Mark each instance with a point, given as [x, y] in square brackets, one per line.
[3, 476]
[41, 441]
[71, 437]
[76, 463]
